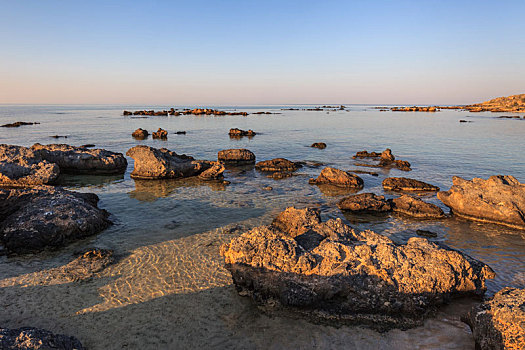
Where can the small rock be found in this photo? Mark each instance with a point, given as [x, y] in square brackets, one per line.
[160, 134]
[320, 145]
[365, 202]
[277, 165]
[140, 134]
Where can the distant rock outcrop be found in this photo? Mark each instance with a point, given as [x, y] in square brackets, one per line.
[514, 103]
[327, 271]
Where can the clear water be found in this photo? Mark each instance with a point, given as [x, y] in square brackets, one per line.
[152, 213]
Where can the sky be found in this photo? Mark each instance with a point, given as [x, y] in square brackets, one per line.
[260, 52]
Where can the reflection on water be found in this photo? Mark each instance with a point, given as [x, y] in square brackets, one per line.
[168, 231]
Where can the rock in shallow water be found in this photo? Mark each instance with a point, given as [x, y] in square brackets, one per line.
[22, 167]
[499, 323]
[277, 165]
[238, 156]
[29, 338]
[416, 207]
[153, 163]
[33, 219]
[80, 160]
[500, 200]
[406, 184]
[338, 178]
[365, 202]
[327, 271]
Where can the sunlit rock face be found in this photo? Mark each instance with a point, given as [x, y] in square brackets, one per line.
[22, 167]
[327, 271]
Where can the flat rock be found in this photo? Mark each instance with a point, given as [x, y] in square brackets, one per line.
[22, 167]
[329, 272]
[29, 338]
[236, 156]
[17, 124]
[338, 178]
[500, 200]
[416, 207]
[406, 184]
[499, 323]
[365, 202]
[45, 216]
[81, 160]
[153, 163]
[277, 165]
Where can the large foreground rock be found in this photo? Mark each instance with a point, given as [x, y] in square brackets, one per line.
[500, 199]
[21, 167]
[406, 184]
[499, 323]
[327, 271]
[237, 156]
[32, 219]
[81, 160]
[415, 207]
[29, 338]
[336, 177]
[153, 163]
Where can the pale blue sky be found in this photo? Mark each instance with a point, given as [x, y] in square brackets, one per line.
[260, 52]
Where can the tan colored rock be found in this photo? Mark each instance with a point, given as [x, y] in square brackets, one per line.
[338, 178]
[277, 165]
[22, 167]
[416, 207]
[160, 134]
[140, 134]
[320, 145]
[500, 200]
[236, 156]
[406, 184]
[365, 202]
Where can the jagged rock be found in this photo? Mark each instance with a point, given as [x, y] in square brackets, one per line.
[153, 163]
[328, 272]
[29, 338]
[386, 160]
[140, 134]
[32, 219]
[387, 156]
[81, 160]
[500, 200]
[365, 202]
[406, 184]
[215, 172]
[416, 207]
[21, 167]
[235, 132]
[499, 323]
[320, 145]
[338, 178]
[17, 124]
[160, 134]
[236, 156]
[277, 165]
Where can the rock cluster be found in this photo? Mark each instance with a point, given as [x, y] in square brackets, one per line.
[500, 200]
[327, 271]
[153, 163]
[336, 177]
[80, 160]
[386, 160]
[238, 156]
[208, 111]
[414, 109]
[140, 134]
[32, 219]
[499, 323]
[29, 338]
[240, 133]
[406, 184]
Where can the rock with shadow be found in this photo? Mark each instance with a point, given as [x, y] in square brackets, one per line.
[326, 271]
[239, 156]
[339, 178]
[406, 184]
[30, 338]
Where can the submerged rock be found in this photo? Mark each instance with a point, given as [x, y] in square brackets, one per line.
[329, 272]
[160, 134]
[338, 178]
[499, 323]
[235, 132]
[277, 165]
[500, 200]
[366, 154]
[153, 163]
[406, 184]
[236, 156]
[140, 134]
[365, 202]
[17, 124]
[32, 219]
[29, 338]
[22, 167]
[320, 145]
[81, 160]
[416, 207]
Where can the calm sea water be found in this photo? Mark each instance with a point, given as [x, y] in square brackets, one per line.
[151, 212]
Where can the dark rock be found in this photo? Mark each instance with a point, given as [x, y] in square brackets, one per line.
[365, 202]
[127, 113]
[406, 184]
[426, 233]
[338, 177]
[59, 136]
[465, 121]
[277, 165]
[416, 207]
[17, 124]
[329, 272]
[160, 134]
[239, 133]
[366, 154]
[22, 167]
[500, 200]
[29, 338]
[32, 219]
[499, 323]
[80, 160]
[236, 156]
[153, 163]
[278, 175]
[320, 145]
[87, 145]
[180, 133]
[140, 134]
